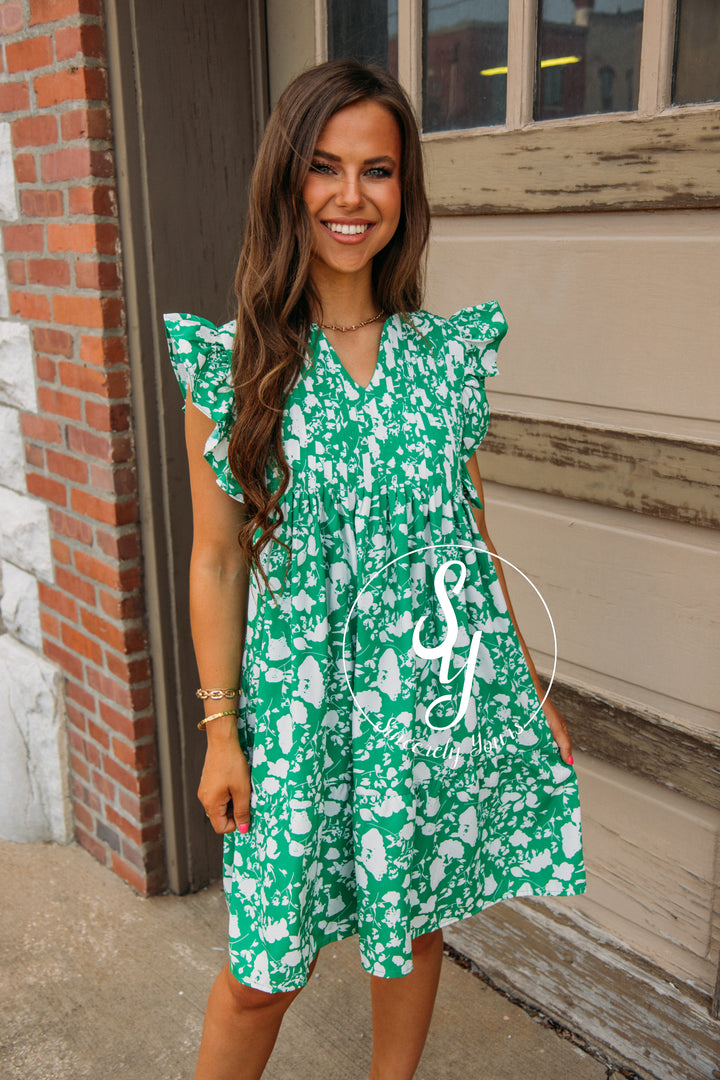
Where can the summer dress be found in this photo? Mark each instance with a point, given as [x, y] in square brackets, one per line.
[387, 619]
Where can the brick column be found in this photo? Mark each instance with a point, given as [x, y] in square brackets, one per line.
[64, 270]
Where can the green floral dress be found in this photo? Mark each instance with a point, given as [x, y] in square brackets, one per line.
[403, 774]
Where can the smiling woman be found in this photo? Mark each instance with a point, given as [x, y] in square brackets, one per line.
[354, 197]
[342, 415]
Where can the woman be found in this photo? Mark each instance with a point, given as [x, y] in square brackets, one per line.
[404, 773]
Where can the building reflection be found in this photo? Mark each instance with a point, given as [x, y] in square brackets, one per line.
[589, 63]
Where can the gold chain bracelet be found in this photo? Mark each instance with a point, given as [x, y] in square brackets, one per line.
[214, 716]
[215, 695]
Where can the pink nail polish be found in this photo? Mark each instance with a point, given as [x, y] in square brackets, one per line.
[570, 760]
[244, 826]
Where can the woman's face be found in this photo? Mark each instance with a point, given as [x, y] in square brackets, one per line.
[353, 190]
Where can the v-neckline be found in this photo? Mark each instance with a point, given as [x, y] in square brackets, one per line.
[343, 371]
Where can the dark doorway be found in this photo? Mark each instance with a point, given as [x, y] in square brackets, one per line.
[189, 99]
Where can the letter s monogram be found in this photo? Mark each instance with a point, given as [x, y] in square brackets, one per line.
[445, 648]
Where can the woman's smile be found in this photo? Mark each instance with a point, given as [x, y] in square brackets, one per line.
[349, 231]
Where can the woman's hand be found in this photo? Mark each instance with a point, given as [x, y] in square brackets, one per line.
[225, 784]
[559, 730]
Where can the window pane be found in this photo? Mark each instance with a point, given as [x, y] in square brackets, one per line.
[588, 57]
[696, 71]
[366, 32]
[464, 63]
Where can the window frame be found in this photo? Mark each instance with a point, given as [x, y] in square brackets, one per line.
[658, 156]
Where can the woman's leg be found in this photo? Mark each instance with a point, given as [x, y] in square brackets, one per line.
[402, 1009]
[240, 1029]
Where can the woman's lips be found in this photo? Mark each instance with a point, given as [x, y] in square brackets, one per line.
[334, 228]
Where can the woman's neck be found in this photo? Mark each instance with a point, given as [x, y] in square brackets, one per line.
[345, 299]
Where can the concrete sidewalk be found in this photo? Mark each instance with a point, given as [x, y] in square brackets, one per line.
[98, 983]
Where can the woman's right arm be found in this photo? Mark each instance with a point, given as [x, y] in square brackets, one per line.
[218, 603]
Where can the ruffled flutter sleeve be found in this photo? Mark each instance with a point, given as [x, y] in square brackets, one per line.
[480, 329]
[201, 356]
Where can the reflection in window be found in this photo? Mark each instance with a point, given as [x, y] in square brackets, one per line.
[366, 32]
[553, 78]
[464, 63]
[696, 69]
[607, 77]
[589, 40]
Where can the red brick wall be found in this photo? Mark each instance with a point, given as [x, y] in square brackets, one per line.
[64, 270]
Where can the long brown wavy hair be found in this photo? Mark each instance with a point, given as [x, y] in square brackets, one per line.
[274, 293]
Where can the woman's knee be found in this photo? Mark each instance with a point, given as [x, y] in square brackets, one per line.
[249, 997]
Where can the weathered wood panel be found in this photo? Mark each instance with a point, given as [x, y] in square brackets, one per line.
[597, 334]
[557, 960]
[641, 742]
[674, 479]
[651, 868]
[590, 163]
[633, 599]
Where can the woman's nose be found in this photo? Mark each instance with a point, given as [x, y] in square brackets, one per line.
[349, 193]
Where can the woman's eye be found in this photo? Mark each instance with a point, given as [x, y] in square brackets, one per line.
[322, 167]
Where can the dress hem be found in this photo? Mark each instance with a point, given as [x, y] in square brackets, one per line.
[437, 924]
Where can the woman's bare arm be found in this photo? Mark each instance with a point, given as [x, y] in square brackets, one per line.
[555, 721]
[218, 603]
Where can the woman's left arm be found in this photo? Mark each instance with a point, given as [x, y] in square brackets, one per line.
[555, 721]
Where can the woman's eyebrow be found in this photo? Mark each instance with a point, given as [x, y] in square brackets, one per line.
[384, 158]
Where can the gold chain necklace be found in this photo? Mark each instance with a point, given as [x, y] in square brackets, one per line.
[345, 329]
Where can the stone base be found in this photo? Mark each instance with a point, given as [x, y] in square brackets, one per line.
[34, 778]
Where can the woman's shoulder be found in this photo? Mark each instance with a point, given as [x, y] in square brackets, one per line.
[476, 322]
[201, 355]
[472, 334]
[193, 338]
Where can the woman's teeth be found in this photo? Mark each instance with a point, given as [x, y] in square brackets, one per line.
[346, 230]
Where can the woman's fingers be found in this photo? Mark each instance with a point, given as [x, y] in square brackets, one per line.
[239, 807]
[240, 788]
[225, 818]
[217, 815]
[242, 818]
[225, 788]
